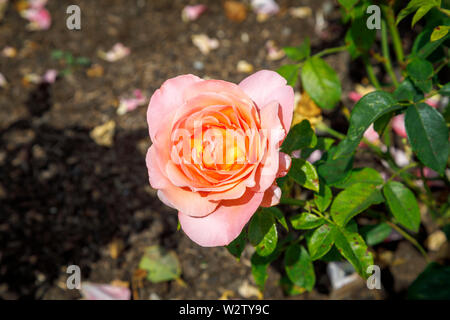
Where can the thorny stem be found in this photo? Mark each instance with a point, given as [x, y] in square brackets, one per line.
[331, 50]
[385, 51]
[410, 239]
[371, 73]
[396, 41]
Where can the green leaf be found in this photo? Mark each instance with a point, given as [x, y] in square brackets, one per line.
[83, 61]
[279, 216]
[334, 170]
[323, 198]
[238, 245]
[432, 284]
[439, 32]
[403, 205]
[353, 200]
[382, 123]
[420, 71]
[320, 241]
[160, 264]
[262, 232]
[375, 234]
[299, 53]
[406, 91]
[445, 90]
[259, 267]
[299, 267]
[304, 174]
[361, 175]
[289, 288]
[290, 73]
[428, 135]
[321, 82]
[348, 4]
[422, 7]
[306, 221]
[430, 47]
[368, 109]
[57, 54]
[299, 137]
[352, 246]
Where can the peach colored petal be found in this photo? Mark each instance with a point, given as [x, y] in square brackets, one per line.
[166, 100]
[265, 86]
[272, 196]
[191, 203]
[223, 225]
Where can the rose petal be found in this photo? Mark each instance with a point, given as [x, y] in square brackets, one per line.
[265, 86]
[223, 225]
[272, 196]
[165, 101]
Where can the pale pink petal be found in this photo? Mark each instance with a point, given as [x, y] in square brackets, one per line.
[191, 13]
[157, 179]
[285, 164]
[223, 225]
[165, 101]
[272, 128]
[354, 96]
[95, 291]
[398, 124]
[266, 86]
[272, 196]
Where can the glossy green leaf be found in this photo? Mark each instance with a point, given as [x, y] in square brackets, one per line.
[420, 71]
[321, 82]
[320, 241]
[432, 284]
[380, 125]
[289, 288]
[439, 32]
[368, 109]
[262, 232]
[304, 174]
[290, 73]
[299, 137]
[353, 200]
[375, 234]
[428, 135]
[161, 265]
[362, 175]
[299, 267]
[420, 6]
[259, 267]
[323, 198]
[403, 205]
[333, 171]
[353, 248]
[406, 91]
[279, 216]
[238, 245]
[306, 221]
[299, 53]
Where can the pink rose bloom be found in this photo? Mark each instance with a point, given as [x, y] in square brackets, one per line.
[215, 153]
[371, 135]
[40, 18]
[398, 124]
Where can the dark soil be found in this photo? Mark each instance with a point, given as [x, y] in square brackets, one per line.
[65, 199]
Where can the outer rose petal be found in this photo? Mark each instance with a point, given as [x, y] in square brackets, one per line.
[272, 196]
[166, 100]
[265, 86]
[223, 225]
[156, 177]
